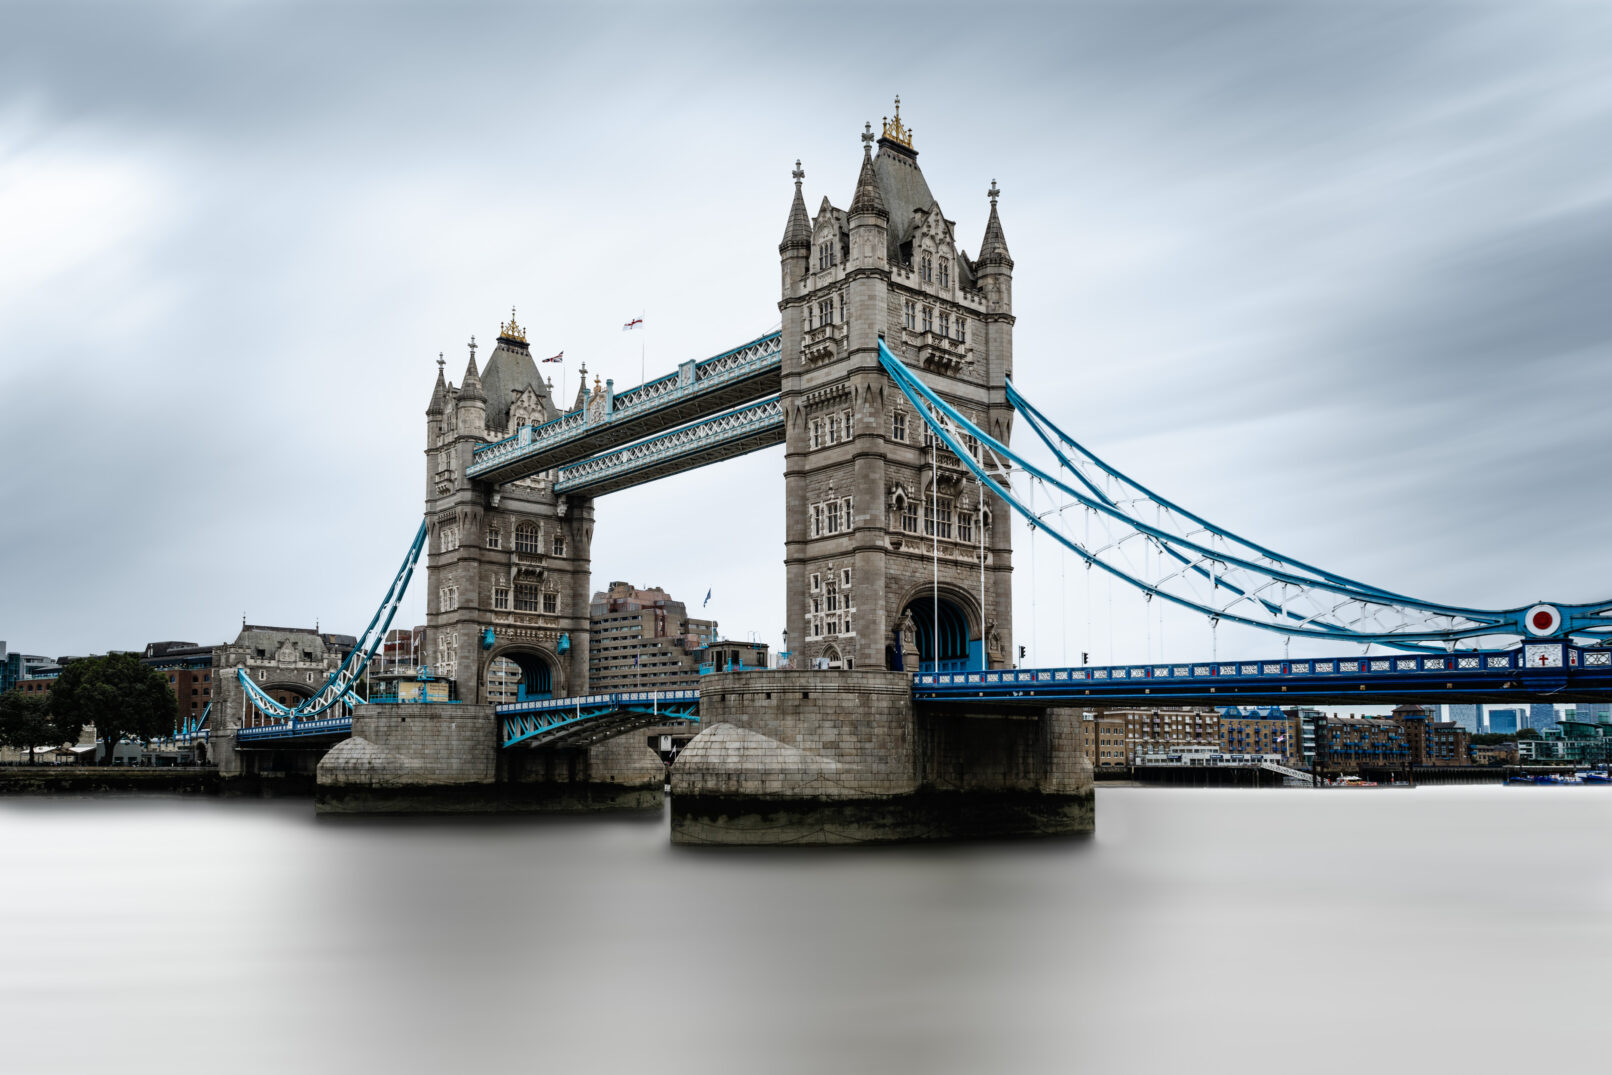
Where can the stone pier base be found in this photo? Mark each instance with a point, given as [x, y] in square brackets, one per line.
[423, 758]
[843, 757]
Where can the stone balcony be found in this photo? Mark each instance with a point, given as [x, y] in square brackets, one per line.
[938, 353]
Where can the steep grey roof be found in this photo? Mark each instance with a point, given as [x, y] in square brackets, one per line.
[510, 369]
[904, 189]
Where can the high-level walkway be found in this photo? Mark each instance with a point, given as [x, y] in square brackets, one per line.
[698, 390]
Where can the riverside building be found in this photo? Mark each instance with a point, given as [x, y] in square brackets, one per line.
[643, 639]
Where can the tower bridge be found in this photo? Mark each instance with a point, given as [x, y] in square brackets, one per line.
[889, 385]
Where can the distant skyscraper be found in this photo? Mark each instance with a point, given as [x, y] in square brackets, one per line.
[1467, 716]
[1599, 712]
[1542, 716]
[1502, 721]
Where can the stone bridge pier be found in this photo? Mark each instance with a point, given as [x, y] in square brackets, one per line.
[445, 758]
[825, 757]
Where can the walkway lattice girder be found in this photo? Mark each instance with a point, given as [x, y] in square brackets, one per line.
[726, 436]
[698, 390]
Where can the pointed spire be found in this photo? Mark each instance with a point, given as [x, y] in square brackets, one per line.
[582, 390]
[798, 232]
[868, 198]
[993, 248]
[439, 395]
[471, 389]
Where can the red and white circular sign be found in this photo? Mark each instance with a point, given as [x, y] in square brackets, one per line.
[1542, 620]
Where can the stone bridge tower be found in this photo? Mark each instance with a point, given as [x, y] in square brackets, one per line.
[867, 502]
[508, 565]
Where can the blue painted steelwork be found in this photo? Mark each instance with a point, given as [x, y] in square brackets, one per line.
[338, 688]
[748, 429]
[295, 729]
[735, 376]
[1534, 671]
[1208, 569]
[591, 718]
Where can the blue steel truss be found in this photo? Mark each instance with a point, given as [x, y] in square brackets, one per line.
[338, 689]
[1549, 671]
[591, 718]
[748, 429]
[697, 389]
[294, 729]
[1181, 558]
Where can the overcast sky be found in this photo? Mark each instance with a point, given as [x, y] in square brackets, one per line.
[1338, 276]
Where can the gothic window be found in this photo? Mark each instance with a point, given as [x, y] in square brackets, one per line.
[833, 599]
[845, 416]
[898, 425]
[817, 432]
[809, 312]
[938, 516]
[825, 251]
[450, 538]
[846, 506]
[962, 330]
[526, 538]
[845, 579]
[945, 323]
[526, 596]
[558, 547]
[833, 516]
[817, 582]
[825, 311]
[929, 318]
[945, 273]
[817, 520]
[841, 300]
[501, 598]
[551, 602]
[909, 314]
[447, 598]
[493, 537]
[909, 517]
[965, 526]
[833, 429]
[927, 269]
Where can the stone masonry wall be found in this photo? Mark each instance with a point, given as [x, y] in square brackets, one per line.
[801, 734]
[414, 745]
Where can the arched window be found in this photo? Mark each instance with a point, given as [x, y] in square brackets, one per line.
[526, 538]
[945, 273]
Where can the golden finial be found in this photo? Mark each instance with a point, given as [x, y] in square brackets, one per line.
[598, 386]
[511, 331]
[893, 129]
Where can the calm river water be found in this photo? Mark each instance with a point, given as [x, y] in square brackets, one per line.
[1440, 930]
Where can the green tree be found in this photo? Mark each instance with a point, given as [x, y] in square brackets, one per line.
[25, 722]
[123, 698]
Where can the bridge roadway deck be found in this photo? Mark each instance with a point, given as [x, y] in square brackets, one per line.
[696, 391]
[1533, 672]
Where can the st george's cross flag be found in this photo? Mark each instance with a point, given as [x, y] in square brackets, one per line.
[636, 322]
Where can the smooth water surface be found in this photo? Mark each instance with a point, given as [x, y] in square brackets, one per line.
[1441, 929]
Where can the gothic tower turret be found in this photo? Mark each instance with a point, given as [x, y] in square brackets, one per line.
[507, 565]
[874, 511]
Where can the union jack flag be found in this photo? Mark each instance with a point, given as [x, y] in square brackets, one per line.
[557, 358]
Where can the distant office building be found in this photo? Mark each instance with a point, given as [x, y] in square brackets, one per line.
[1434, 742]
[1104, 740]
[1260, 729]
[188, 668]
[1467, 715]
[1542, 717]
[15, 667]
[729, 656]
[1344, 744]
[1584, 712]
[1147, 731]
[1503, 721]
[1307, 719]
[643, 640]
